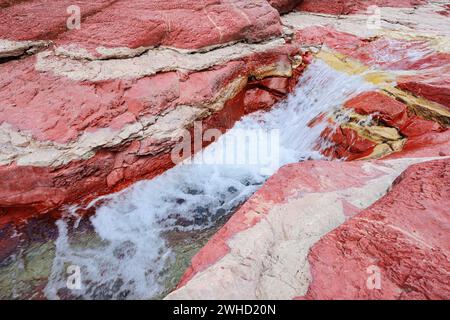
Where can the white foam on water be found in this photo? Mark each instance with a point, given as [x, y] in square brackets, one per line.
[132, 260]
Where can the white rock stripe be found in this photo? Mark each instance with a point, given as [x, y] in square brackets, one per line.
[269, 260]
[149, 63]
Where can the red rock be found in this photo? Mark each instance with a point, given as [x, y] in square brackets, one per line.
[8, 242]
[404, 235]
[41, 19]
[373, 102]
[52, 108]
[416, 127]
[58, 109]
[290, 214]
[393, 113]
[425, 139]
[373, 52]
[370, 52]
[400, 55]
[284, 6]
[318, 35]
[329, 7]
[72, 107]
[382, 107]
[182, 24]
[339, 7]
[421, 134]
[257, 99]
[114, 177]
[431, 144]
[29, 190]
[6, 3]
[445, 12]
[432, 81]
[302, 178]
[202, 87]
[348, 145]
[277, 85]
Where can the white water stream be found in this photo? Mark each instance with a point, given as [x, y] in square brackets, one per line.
[133, 257]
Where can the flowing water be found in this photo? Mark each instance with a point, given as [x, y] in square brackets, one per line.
[140, 240]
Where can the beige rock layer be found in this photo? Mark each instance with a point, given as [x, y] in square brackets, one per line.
[269, 260]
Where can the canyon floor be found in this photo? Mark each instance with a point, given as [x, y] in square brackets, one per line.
[120, 161]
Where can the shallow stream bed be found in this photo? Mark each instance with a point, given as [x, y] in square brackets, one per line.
[140, 241]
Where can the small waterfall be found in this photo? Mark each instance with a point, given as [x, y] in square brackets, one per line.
[129, 255]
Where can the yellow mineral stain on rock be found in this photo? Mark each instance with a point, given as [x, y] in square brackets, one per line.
[278, 69]
[341, 62]
[436, 42]
[420, 106]
[398, 145]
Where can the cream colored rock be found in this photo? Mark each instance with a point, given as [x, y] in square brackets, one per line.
[269, 260]
[374, 133]
[9, 48]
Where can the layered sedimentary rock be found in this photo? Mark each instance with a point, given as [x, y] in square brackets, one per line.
[120, 130]
[95, 95]
[357, 230]
[264, 251]
[91, 114]
[395, 249]
[97, 108]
